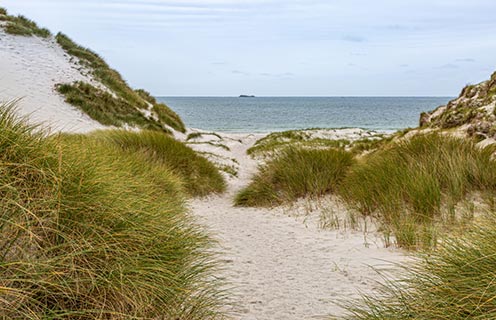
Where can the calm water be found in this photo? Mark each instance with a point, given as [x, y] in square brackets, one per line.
[232, 114]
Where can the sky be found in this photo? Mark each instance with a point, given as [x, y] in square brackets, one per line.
[282, 47]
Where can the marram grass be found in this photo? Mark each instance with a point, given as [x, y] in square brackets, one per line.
[454, 282]
[407, 184]
[22, 26]
[105, 108]
[296, 173]
[137, 99]
[92, 232]
[200, 176]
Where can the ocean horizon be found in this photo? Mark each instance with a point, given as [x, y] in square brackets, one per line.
[269, 114]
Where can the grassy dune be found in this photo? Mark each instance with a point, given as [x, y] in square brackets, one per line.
[91, 231]
[200, 176]
[295, 173]
[412, 187]
[407, 184]
[454, 282]
[276, 142]
[105, 108]
[22, 26]
[113, 80]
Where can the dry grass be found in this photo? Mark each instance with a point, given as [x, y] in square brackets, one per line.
[92, 232]
[200, 176]
[408, 183]
[138, 99]
[22, 26]
[295, 173]
[454, 282]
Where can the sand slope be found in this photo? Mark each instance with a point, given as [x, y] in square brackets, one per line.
[30, 67]
[282, 266]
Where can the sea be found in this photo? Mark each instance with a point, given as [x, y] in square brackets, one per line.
[270, 114]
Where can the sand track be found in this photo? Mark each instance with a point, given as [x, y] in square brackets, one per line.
[281, 266]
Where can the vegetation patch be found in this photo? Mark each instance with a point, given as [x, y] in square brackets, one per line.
[200, 176]
[295, 173]
[278, 141]
[105, 108]
[22, 26]
[454, 282]
[139, 99]
[406, 184]
[163, 112]
[196, 135]
[92, 231]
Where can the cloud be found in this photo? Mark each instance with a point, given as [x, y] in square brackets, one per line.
[448, 66]
[277, 75]
[219, 63]
[404, 65]
[240, 72]
[358, 54]
[353, 38]
[465, 60]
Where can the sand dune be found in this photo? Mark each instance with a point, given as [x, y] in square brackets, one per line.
[30, 69]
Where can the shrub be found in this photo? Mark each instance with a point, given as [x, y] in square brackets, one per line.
[456, 281]
[295, 173]
[92, 232]
[405, 184]
[201, 177]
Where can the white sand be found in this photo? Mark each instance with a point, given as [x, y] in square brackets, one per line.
[30, 67]
[281, 265]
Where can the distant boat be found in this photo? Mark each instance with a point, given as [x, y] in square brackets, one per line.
[246, 96]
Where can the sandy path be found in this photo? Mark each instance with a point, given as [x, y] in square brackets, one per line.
[281, 267]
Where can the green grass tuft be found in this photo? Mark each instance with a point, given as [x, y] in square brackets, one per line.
[406, 184]
[276, 142]
[114, 81]
[163, 112]
[90, 231]
[105, 108]
[454, 282]
[295, 173]
[22, 26]
[201, 177]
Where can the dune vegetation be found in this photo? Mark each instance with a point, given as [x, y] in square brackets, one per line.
[276, 142]
[296, 173]
[415, 184]
[91, 230]
[22, 26]
[412, 187]
[105, 108]
[453, 282]
[139, 99]
[200, 176]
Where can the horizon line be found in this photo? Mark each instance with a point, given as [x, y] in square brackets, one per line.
[296, 96]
